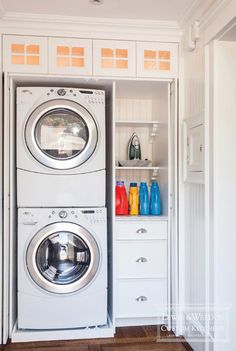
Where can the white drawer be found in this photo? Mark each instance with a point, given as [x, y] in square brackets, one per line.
[142, 259]
[142, 298]
[141, 230]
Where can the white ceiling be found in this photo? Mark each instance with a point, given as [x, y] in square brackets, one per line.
[168, 10]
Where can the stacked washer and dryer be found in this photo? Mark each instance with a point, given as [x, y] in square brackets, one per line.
[62, 226]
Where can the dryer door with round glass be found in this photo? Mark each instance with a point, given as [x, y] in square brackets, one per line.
[61, 134]
[63, 258]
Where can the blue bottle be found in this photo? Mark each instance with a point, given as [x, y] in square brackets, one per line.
[143, 199]
[155, 200]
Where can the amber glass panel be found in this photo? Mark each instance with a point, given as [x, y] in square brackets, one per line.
[164, 55]
[77, 51]
[106, 63]
[150, 65]
[63, 50]
[106, 52]
[77, 62]
[32, 49]
[164, 65]
[63, 61]
[122, 53]
[150, 54]
[32, 60]
[18, 60]
[123, 64]
[18, 48]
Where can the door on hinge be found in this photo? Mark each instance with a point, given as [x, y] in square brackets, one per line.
[173, 205]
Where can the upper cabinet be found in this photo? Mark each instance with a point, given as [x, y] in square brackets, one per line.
[25, 54]
[157, 60]
[90, 57]
[71, 56]
[114, 58]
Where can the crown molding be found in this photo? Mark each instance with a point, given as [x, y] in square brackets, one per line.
[203, 10]
[89, 27]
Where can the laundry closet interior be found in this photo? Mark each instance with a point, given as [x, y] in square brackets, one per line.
[76, 266]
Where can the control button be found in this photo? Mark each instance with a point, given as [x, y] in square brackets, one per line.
[53, 212]
[63, 214]
[52, 90]
[61, 92]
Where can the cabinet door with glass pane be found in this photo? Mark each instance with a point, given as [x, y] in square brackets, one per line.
[24, 54]
[114, 58]
[157, 60]
[70, 56]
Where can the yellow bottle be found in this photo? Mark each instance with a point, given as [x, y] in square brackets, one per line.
[133, 199]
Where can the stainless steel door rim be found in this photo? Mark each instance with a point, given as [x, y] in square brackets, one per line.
[70, 106]
[80, 232]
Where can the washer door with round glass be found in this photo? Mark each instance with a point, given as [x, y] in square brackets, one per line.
[61, 134]
[63, 258]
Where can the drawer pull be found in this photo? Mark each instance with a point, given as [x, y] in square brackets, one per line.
[141, 260]
[141, 231]
[141, 299]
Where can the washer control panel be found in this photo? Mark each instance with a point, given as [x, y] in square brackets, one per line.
[35, 216]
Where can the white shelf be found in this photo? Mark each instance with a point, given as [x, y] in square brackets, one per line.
[138, 123]
[140, 217]
[141, 168]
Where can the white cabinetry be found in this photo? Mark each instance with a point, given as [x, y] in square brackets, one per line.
[141, 269]
[156, 60]
[142, 243]
[25, 54]
[75, 56]
[70, 56]
[114, 58]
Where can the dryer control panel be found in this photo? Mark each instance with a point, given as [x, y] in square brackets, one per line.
[92, 96]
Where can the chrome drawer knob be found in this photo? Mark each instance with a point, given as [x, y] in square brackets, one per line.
[141, 231]
[141, 260]
[141, 299]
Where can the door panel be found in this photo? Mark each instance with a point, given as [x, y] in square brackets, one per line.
[61, 134]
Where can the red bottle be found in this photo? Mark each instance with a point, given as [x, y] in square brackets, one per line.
[121, 199]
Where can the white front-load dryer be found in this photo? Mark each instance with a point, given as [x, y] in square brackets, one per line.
[60, 153]
[62, 268]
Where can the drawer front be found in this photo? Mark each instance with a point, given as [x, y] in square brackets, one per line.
[142, 259]
[142, 298]
[141, 230]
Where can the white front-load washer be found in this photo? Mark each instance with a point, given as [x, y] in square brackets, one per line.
[62, 268]
[60, 153]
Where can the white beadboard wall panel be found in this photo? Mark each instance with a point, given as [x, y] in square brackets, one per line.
[194, 194]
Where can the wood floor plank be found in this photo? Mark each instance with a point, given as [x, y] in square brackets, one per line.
[146, 338]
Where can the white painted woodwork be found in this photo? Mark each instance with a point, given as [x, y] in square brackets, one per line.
[25, 54]
[224, 187]
[114, 58]
[157, 60]
[142, 259]
[141, 228]
[153, 292]
[70, 56]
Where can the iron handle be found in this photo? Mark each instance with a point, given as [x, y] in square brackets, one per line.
[141, 260]
[141, 231]
[141, 299]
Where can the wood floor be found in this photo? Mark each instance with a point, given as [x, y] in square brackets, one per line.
[146, 338]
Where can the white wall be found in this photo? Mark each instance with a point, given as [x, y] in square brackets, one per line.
[200, 262]
[224, 181]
